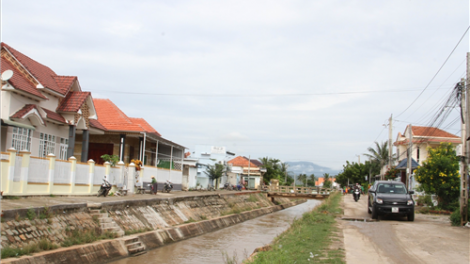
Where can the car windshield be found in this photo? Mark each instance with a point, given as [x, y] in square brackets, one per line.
[391, 188]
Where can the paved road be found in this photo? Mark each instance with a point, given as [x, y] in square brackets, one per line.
[28, 202]
[429, 239]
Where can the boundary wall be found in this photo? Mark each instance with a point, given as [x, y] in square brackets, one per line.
[24, 175]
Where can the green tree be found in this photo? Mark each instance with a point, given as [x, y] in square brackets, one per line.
[215, 172]
[379, 154]
[273, 169]
[327, 182]
[354, 172]
[302, 179]
[311, 180]
[439, 174]
[113, 159]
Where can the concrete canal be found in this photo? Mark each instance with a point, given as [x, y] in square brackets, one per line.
[240, 240]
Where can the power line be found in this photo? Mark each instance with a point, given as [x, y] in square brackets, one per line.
[259, 95]
[432, 79]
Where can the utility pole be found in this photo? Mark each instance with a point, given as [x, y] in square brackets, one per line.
[389, 144]
[410, 157]
[358, 159]
[465, 101]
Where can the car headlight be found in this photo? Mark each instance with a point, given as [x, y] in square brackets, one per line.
[379, 201]
[410, 202]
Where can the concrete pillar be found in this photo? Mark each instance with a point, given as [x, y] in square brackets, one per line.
[141, 149]
[91, 175]
[71, 147]
[50, 177]
[122, 145]
[85, 144]
[73, 173]
[131, 178]
[141, 177]
[24, 171]
[107, 172]
[120, 178]
[11, 172]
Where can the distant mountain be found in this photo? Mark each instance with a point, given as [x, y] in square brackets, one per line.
[306, 167]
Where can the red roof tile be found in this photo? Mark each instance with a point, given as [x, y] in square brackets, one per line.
[73, 101]
[242, 162]
[19, 81]
[145, 126]
[47, 77]
[54, 116]
[431, 132]
[96, 124]
[23, 111]
[65, 82]
[112, 118]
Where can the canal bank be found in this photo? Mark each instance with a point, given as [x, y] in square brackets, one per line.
[145, 224]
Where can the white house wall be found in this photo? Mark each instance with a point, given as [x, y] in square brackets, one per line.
[5, 100]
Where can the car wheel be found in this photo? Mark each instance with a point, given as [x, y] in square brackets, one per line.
[411, 216]
[375, 214]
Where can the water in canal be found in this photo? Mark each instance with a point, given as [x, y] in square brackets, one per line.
[241, 239]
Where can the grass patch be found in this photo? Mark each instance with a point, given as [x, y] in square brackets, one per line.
[252, 198]
[10, 197]
[308, 239]
[190, 220]
[78, 237]
[203, 217]
[41, 245]
[46, 213]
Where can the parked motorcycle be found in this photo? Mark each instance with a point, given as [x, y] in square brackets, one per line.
[167, 187]
[228, 187]
[104, 188]
[356, 194]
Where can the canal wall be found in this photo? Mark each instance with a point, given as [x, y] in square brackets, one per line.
[147, 223]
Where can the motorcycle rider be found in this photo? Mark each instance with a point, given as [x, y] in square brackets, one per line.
[357, 187]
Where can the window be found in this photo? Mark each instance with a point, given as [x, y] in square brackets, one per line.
[46, 144]
[21, 138]
[64, 145]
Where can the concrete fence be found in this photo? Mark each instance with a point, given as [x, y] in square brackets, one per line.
[24, 175]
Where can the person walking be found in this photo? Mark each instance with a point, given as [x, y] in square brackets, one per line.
[154, 185]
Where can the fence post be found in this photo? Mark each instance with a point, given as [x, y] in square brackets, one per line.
[73, 173]
[11, 171]
[131, 178]
[50, 179]
[107, 171]
[141, 177]
[91, 175]
[120, 180]
[24, 170]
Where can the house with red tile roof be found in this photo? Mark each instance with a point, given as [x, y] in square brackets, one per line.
[422, 138]
[42, 112]
[131, 138]
[245, 170]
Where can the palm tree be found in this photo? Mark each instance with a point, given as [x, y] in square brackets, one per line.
[302, 178]
[312, 179]
[379, 154]
[284, 167]
[326, 180]
[215, 172]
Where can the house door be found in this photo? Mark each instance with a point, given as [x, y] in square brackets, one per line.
[251, 183]
[96, 150]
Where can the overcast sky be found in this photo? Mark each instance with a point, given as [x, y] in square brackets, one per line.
[294, 80]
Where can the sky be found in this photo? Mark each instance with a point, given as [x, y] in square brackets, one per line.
[293, 80]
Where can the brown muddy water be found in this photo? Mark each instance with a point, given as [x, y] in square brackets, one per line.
[237, 242]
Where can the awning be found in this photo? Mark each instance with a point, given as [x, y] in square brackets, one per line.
[16, 124]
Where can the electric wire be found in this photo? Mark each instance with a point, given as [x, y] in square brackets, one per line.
[438, 71]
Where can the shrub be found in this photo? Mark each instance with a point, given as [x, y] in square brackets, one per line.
[455, 216]
[31, 214]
